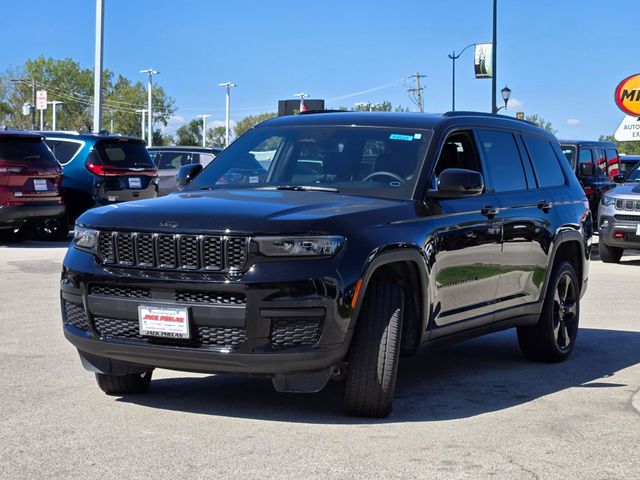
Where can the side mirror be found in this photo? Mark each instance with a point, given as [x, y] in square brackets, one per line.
[457, 183]
[619, 178]
[587, 170]
[186, 174]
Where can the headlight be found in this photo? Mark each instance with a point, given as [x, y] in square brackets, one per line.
[608, 201]
[85, 238]
[324, 246]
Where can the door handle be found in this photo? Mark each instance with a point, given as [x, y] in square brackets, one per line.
[544, 205]
[489, 211]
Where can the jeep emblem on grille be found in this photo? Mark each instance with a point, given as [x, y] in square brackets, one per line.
[169, 224]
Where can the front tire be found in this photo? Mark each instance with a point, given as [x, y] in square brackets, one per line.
[609, 254]
[373, 360]
[124, 384]
[552, 339]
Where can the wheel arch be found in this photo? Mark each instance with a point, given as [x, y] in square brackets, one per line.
[406, 267]
[569, 246]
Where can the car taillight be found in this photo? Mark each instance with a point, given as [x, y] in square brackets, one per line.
[6, 167]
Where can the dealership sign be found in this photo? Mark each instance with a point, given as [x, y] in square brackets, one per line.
[629, 130]
[627, 95]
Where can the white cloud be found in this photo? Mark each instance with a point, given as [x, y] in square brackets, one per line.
[572, 122]
[515, 104]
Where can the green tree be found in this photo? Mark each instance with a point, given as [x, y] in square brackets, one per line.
[64, 80]
[628, 148]
[540, 122]
[216, 136]
[250, 121]
[190, 133]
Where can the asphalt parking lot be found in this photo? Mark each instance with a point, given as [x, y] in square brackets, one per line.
[473, 410]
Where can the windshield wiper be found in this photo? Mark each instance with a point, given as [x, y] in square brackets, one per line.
[302, 188]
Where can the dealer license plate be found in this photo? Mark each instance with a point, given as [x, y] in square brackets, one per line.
[40, 185]
[163, 322]
[135, 182]
[638, 229]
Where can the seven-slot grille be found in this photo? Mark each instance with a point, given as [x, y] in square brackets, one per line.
[172, 251]
[627, 204]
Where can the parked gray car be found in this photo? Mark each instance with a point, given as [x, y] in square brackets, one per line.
[619, 218]
[170, 159]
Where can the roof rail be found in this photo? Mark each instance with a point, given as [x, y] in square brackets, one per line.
[307, 112]
[463, 113]
[49, 132]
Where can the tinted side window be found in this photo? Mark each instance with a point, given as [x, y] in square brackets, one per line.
[504, 166]
[569, 151]
[64, 151]
[545, 163]
[586, 155]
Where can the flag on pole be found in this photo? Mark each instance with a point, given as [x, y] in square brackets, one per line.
[303, 107]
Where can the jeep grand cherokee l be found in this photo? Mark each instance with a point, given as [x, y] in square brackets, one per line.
[355, 238]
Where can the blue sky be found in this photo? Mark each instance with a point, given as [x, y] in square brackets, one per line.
[562, 59]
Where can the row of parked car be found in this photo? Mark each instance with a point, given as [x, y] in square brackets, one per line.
[48, 179]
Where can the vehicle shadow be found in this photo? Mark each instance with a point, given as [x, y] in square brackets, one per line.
[32, 243]
[483, 375]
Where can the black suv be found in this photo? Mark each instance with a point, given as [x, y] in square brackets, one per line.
[325, 245]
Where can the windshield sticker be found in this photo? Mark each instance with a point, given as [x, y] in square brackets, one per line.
[254, 179]
[397, 136]
[417, 136]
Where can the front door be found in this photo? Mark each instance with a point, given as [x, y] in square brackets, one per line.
[464, 250]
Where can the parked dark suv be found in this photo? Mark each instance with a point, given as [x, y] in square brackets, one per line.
[102, 169]
[595, 164]
[355, 238]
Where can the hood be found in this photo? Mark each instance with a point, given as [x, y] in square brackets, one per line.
[249, 211]
[625, 190]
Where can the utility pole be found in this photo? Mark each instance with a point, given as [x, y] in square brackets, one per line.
[33, 104]
[494, 60]
[54, 104]
[142, 111]
[417, 91]
[97, 69]
[150, 72]
[228, 86]
[204, 128]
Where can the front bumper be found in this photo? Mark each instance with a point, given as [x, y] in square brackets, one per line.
[16, 215]
[619, 230]
[254, 323]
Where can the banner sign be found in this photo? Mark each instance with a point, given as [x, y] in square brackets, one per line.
[629, 130]
[482, 60]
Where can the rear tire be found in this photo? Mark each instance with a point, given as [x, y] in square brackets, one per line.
[14, 235]
[609, 254]
[52, 229]
[373, 360]
[124, 384]
[553, 337]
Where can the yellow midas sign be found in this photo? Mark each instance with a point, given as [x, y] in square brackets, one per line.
[628, 95]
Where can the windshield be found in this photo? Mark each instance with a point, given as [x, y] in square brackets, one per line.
[633, 175]
[373, 161]
[124, 153]
[570, 152]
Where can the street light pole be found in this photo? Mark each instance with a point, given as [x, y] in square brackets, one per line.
[494, 59]
[142, 111]
[97, 69]
[204, 128]
[453, 58]
[228, 86]
[150, 72]
[54, 104]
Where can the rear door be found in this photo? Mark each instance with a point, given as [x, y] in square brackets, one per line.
[525, 213]
[169, 162]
